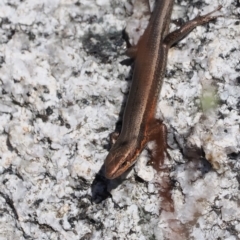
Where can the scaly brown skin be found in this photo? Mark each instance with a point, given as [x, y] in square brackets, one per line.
[139, 123]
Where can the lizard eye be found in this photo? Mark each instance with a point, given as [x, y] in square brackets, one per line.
[124, 164]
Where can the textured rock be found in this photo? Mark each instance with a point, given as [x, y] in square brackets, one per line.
[62, 86]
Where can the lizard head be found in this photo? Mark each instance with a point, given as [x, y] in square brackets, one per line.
[120, 158]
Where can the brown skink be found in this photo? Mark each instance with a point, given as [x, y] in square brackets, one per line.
[139, 123]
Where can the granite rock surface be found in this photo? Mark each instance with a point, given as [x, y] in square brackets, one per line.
[64, 81]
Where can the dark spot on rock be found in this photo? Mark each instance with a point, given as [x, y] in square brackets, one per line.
[103, 46]
[49, 111]
[67, 125]
[37, 202]
[85, 101]
[238, 80]
[102, 129]
[205, 166]
[31, 36]
[234, 156]
[138, 179]
[45, 89]
[43, 117]
[59, 95]
[61, 120]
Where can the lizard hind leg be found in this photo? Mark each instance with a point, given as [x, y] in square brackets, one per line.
[158, 134]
